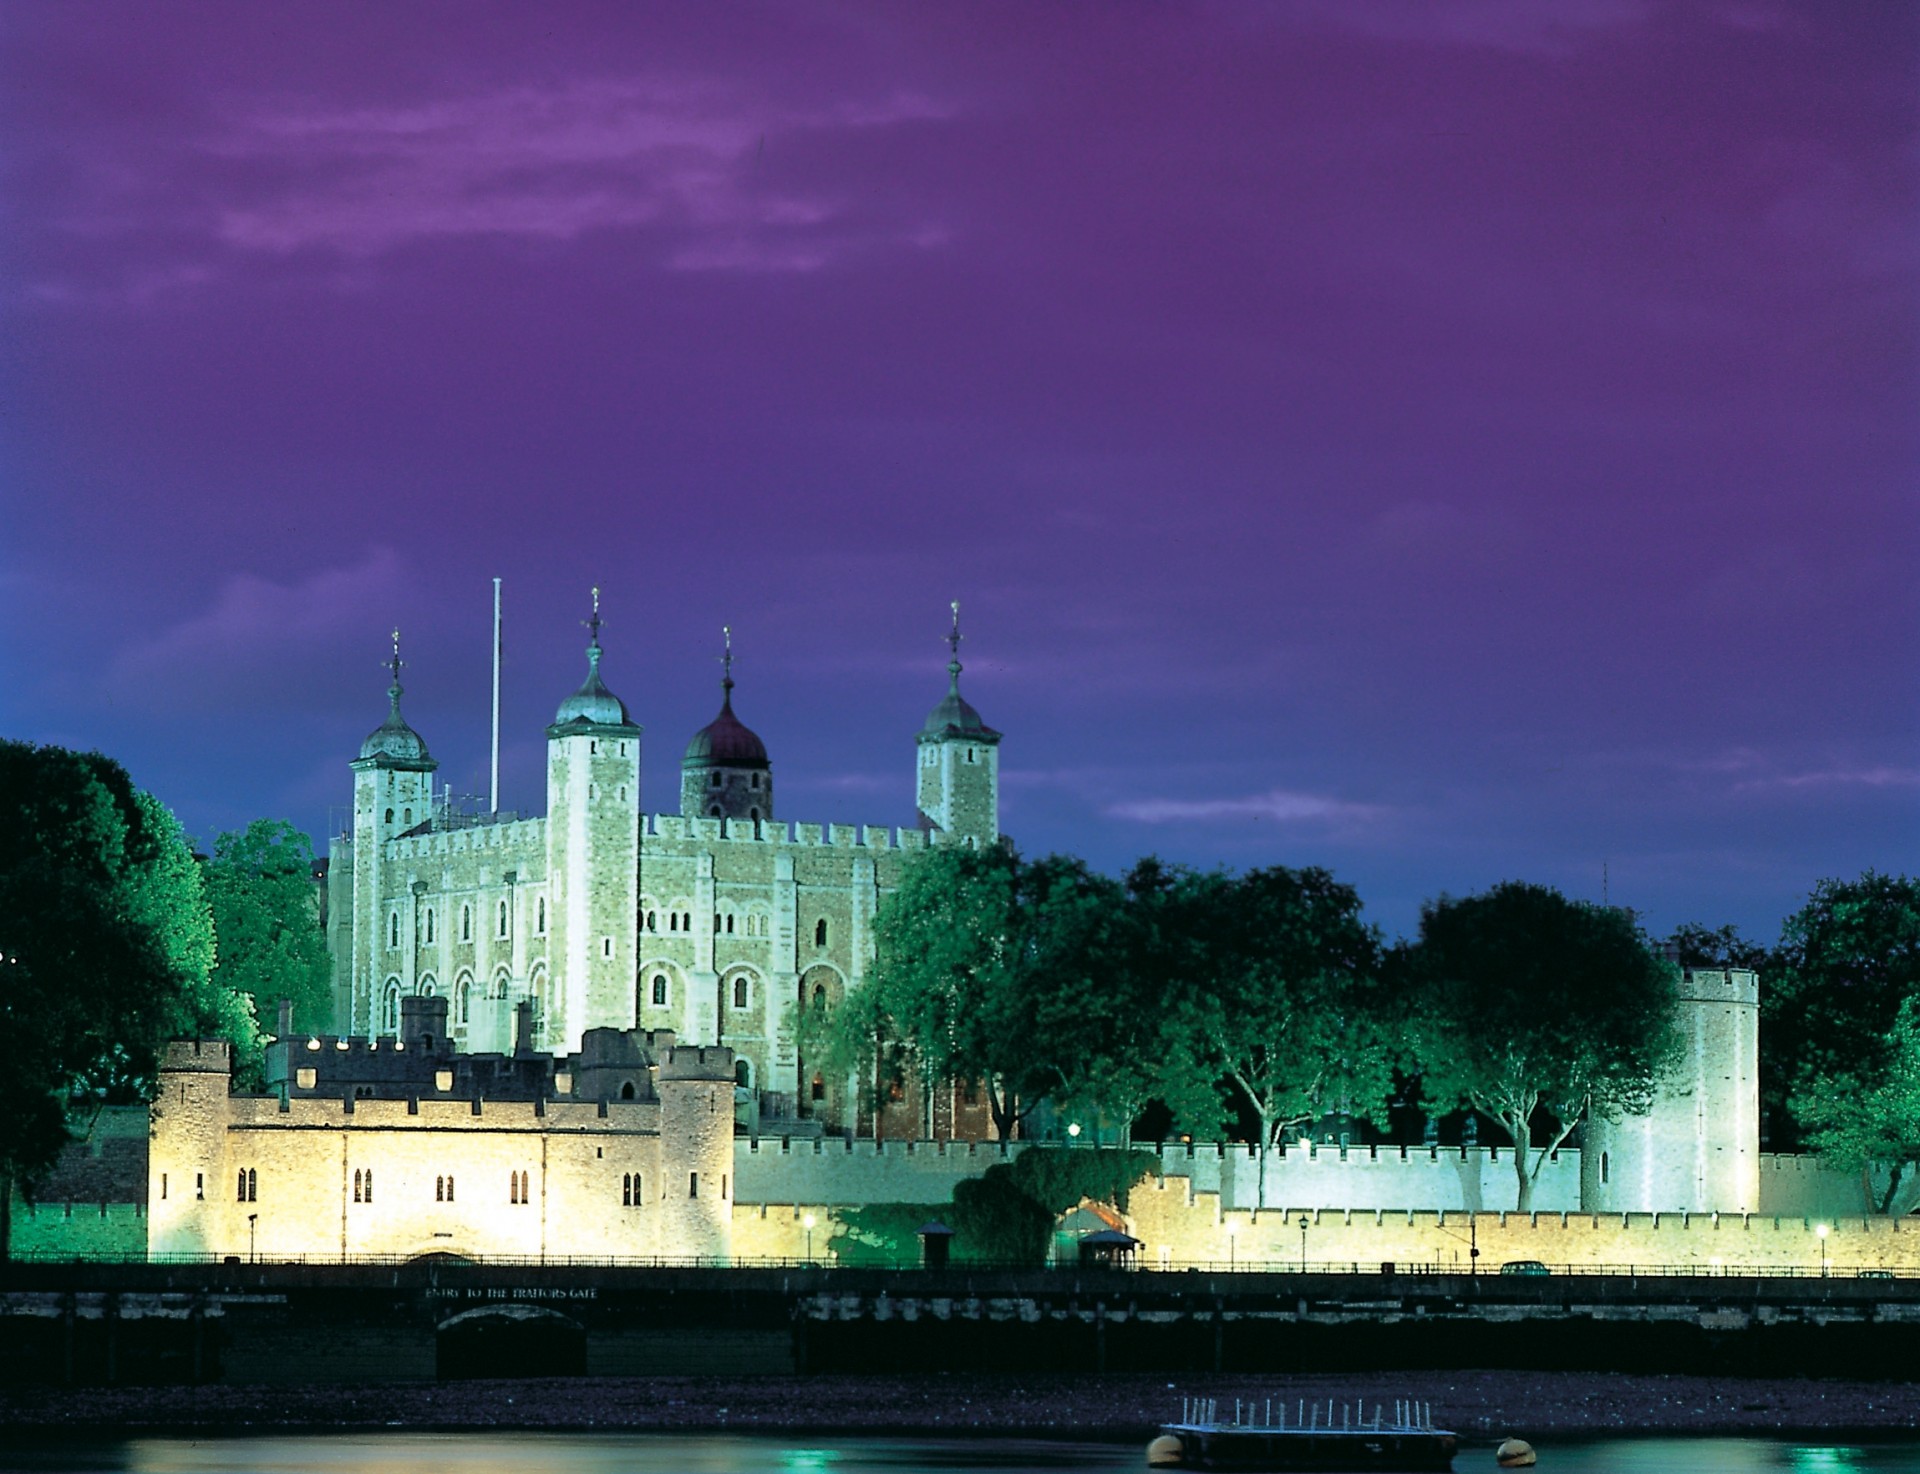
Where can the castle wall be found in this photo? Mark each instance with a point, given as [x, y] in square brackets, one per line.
[836, 1170]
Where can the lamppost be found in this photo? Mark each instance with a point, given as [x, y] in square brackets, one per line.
[252, 1219]
[809, 1222]
[1233, 1230]
[1073, 1133]
[1304, 1220]
[1822, 1231]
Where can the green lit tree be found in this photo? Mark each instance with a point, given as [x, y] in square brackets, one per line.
[1273, 996]
[1869, 1121]
[989, 967]
[1847, 966]
[105, 946]
[266, 915]
[1525, 1005]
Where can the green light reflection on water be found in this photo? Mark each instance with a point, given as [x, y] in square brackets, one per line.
[1803, 1460]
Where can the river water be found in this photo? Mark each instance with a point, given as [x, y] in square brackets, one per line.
[588, 1453]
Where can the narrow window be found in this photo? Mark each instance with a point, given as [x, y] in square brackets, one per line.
[389, 816]
[755, 783]
[449, 1187]
[659, 990]
[393, 930]
[717, 780]
[606, 946]
[739, 992]
[1603, 1166]
[639, 1198]
[593, 749]
[626, 1190]
[820, 932]
[466, 923]
[356, 1184]
[439, 1189]
[742, 1073]
[693, 1184]
[429, 923]
[513, 1187]
[503, 919]
[407, 818]
[463, 996]
[626, 1090]
[541, 925]
[673, 921]
[163, 1186]
[819, 1091]
[729, 923]
[686, 921]
[199, 1187]
[253, 1185]
[754, 815]
[651, 925]
[723, 1187]
[714, 812]
[241, 1196]
[716, 923]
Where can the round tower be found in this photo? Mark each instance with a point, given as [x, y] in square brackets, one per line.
[696, 1152]
[593, 856]
[959, 778]
[392, 792]
[1698, 1149]
[725, 773]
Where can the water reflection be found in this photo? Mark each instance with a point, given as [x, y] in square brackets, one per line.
[588, 1453]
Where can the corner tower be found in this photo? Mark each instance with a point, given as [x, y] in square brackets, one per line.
[959, 781]
[392, 792]
[593, 856]
[725, 774]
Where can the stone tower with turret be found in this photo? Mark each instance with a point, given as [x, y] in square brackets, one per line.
[725, 773]
[392, 792]
[1698, 1149]
[593, 855]
[959, 764]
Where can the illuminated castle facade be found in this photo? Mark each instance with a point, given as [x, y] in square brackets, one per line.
[711, 923]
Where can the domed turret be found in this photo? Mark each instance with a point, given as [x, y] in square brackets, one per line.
[393, 743]
[725, 773]
[593, 705]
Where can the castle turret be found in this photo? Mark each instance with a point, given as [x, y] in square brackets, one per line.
[593, 854]
[959, 782]
[725, 774]
[696, 1152]
[392, 792]
[187, 1187]
[1698, 1150]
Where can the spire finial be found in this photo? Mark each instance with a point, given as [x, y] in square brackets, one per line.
[726, 657]
[953, 640]
[593, 624]
[393, 665]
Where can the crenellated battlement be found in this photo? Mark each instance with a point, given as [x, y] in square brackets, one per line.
[782, 833]
[253, 1113]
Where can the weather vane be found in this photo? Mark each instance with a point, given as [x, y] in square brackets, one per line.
[726, 658]
[954, 639]
[594, 623]
[394, 664]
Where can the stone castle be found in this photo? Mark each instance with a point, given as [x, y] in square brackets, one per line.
[571, 1035]
[712, 923]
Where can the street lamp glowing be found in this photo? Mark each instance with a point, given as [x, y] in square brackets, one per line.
[1233, 1231]
[808, 1222]
[1821, 1230]
[1073, 1130]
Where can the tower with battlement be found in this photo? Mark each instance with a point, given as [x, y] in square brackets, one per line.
[714, 922]
[1698, 1149]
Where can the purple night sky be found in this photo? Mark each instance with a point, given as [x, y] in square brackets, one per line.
[1442, 442]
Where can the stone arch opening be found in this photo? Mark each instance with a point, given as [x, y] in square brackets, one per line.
[509, 1341]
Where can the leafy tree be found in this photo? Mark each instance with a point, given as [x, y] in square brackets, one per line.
[267, 916]
[1869, 1122]
[1848, 963]
[989, 967]
[1277, 998]
[1526, 1003]
[104, 943]
[1695, 945]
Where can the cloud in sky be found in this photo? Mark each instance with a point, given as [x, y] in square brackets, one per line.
[1277, 805]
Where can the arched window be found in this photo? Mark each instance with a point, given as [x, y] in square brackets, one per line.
[356, 1184]
[389, 816]
[714, 811]
[439, 1189]
[819, 995]
[393, 929]
[390, 1010]
[742, 1074]
[673, 921]
[626, 1190]
[249, 1186]
[501, 928]
[429, 923]
[407, 818]
[449, 1187]
[820, 932]
[369, 1184]
[463, 1000]
[466, 923]
[1603, 1166]
[659, 990]
[729, 923]
[650, 922]
[739, 992]
[626, 1090]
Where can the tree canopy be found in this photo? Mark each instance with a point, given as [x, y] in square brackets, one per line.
[987, 967]
[1836, 1010]
[266, 913]
[1526, 1003]
[106, 944]
[1273, 998]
